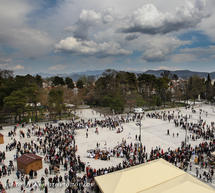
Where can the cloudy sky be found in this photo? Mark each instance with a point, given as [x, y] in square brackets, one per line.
[64, 36]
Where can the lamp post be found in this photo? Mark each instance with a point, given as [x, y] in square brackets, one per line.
[185, 141]
[186, 136]
[140, 130]
[140, 127]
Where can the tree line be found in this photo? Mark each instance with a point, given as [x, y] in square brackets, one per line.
[24, 97]
[119, 89]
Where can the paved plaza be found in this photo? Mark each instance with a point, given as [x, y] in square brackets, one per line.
[153, 132]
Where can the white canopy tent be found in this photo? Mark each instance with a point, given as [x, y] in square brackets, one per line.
[157, 176]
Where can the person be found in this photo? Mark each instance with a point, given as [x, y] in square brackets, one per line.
[26, 180]
[7, 184]
[197, 172]
[18, 174]
[14, 184]
[46, 172]
[31, 174]
[35, 174]
[46, 189]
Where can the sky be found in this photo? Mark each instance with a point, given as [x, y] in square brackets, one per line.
[66, 36]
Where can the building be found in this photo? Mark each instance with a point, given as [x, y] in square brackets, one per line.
[1, 139]
[158, 176]
[28, 162]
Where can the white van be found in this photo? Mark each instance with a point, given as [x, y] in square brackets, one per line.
[138, 110]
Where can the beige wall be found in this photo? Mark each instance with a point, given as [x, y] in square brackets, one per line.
[36, 165]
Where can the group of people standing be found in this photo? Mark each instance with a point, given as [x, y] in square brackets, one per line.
[56, 144]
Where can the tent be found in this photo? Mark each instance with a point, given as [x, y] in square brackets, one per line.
[158, 176]
[189, 186]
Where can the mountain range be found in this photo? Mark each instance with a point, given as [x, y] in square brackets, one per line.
[182, 73]
[96, 73]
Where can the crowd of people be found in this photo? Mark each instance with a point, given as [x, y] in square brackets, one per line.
[183, 156]
[57, 145]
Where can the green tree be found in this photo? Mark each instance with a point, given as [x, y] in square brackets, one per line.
[115, 103]
[175, 77]
[58, 81]
[166, 74]
[55, 101]
[162, 89]
[33, 96]
[39, 80]
[80, 84]
[208, 88]
[16, 103]
[146, 84]
[69, 82]
[196, 87]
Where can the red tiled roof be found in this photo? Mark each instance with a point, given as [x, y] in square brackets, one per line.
[28, 158]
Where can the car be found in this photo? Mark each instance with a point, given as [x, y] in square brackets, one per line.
[138, 110]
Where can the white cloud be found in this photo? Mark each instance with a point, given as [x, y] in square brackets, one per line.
[5, 60]
[85, 47]
[8, 66]
[89, 20]
[149, 20]
[160, 48]
[57, 67]
[18, 67]
[157, 45]
[92, 29]
[17, 33]
[170, 68]
[208, 24]
[194, 54]
[182, 57]
[3, 66]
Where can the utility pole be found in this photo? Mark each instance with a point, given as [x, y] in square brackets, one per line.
[186, 132]
[140, 127]
[186, 137]
[140, 130]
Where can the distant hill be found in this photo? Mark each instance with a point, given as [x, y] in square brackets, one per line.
[96, 73]
[182, 73]
[75, 76]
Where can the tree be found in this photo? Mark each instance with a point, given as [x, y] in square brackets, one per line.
[175, 77]
[55, 101]
[39, 80]
[195, 87]
[69, 82]
[16, 103]
[32, 94]
[161, 89]
[4, 74]
[115, 103]
[80, 84]
[6, 88]
[208, 88]
[146, 84]
[58, 81]
[166, 74]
